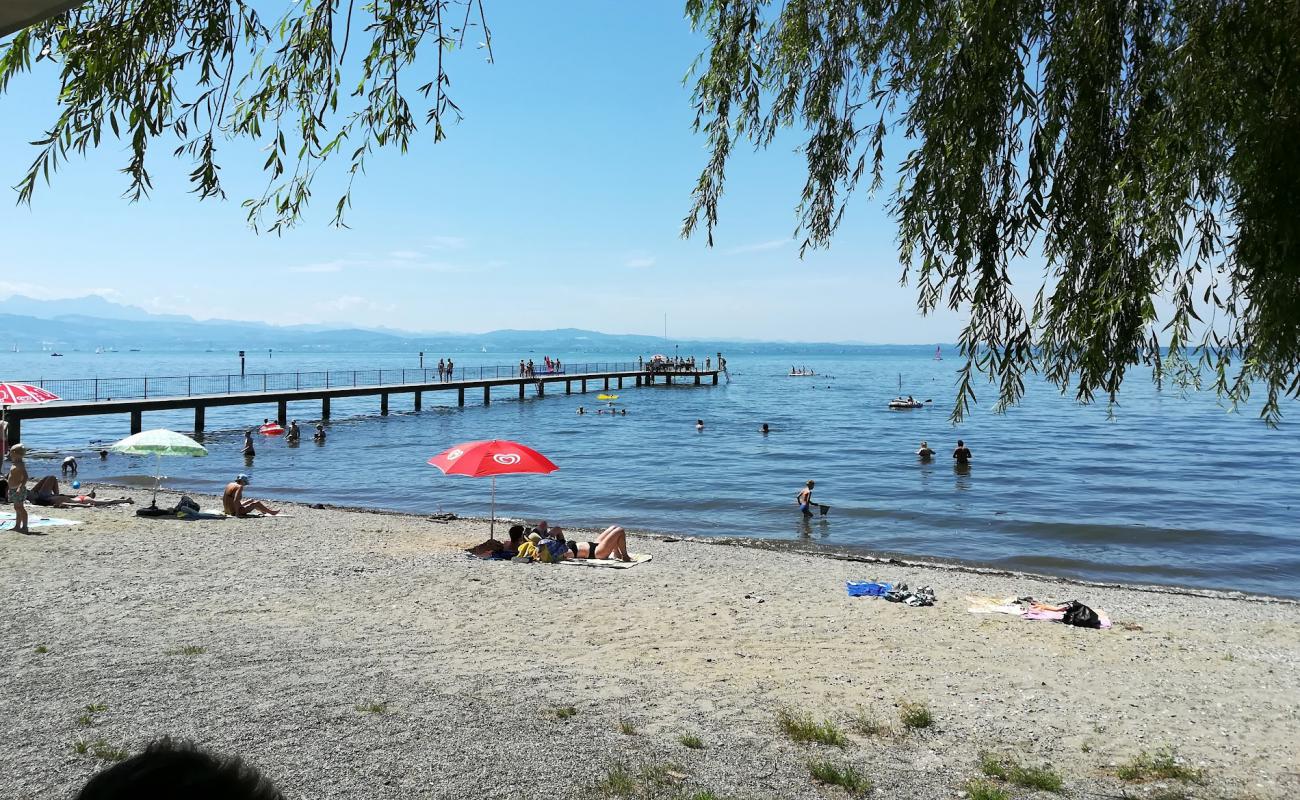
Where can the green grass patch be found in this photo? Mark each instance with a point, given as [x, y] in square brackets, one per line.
[626, 727]
[866, 725]
[847, 778]
[1163, 765]
[86, 721]
[803, 728]
[650, 781]
[1041, 778]
[691, 740]
[977, 789]
[915, 715]
[96, 708]
[188, 650]
[99, 748]
[564, 712]
[373, 708]
[40, 648]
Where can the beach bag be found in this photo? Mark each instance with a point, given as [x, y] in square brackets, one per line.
[1080, 616]
[186, 505]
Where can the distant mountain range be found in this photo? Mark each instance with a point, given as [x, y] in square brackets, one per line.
[87, 323]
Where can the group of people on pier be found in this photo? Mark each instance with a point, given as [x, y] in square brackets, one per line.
[528, 370]
[662, 364]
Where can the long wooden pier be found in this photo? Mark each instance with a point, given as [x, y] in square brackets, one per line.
[135, 407]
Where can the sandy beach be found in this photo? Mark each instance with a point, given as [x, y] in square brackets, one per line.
[352, 654]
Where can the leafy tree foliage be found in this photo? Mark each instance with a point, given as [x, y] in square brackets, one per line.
[328, 77]
[1146, 149]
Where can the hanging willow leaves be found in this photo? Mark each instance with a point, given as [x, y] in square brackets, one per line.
[327, 79]
[1147, 150]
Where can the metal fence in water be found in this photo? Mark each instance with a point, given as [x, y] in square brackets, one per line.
[83, 389]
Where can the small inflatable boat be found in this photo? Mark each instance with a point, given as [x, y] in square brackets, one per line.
[270, 430]
[903, 402]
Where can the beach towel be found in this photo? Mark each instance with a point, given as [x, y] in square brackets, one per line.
[609, 563]
[33, 521]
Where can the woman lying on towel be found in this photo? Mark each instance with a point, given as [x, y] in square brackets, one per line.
[45, 492]
[612, 543]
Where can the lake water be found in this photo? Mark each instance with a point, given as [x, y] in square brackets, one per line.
[1172, 490]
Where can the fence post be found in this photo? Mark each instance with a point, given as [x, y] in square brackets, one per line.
[264, 381]
[327, 379]
[227, 383]
[189, 385]
[354, 377]
[297, 380]
[97, 388]
[146, 390]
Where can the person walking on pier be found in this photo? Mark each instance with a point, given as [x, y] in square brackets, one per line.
[532, 370]
[451, 370]
[442, 370]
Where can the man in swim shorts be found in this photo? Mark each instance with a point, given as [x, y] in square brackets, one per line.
[962, 453]
[804, 498]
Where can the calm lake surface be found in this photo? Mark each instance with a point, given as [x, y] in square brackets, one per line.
[1172, 490]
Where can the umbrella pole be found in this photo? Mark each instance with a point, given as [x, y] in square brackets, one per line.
[492, 526]
[156, 481]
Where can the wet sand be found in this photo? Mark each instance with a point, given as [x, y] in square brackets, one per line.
[354, 654]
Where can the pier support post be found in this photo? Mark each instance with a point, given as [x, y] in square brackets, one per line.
[584, 385]
[715, 379]
[198, 420]
[668, 379]
[487, 395]
[15, 434]
[697, 379]
[541, 389]
[620, 381]
[324, 408]
[419, 400]
[521, 390]
[282, 413]
[460, 396]
[638, 380]
[606, 384]
[136, 427]
[568, 387]
[383, 404]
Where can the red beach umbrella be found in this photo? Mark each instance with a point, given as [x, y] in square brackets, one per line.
[491, 458]
[20, 394]
[17, 394]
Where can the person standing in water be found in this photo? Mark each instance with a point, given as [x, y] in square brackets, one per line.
[699, 424]
[804, 498]
[962, 453]
[925, 452]
[249, 451]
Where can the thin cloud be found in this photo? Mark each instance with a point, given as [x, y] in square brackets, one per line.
[405, 255]
[759, 247]
[446, 243]
[639, 263]
[324, 266]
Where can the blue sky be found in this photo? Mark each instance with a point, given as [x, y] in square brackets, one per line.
[556, 202]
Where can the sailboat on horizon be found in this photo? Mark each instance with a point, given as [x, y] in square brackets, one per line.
[938, 353]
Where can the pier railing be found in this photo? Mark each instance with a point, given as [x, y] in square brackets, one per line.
[93, 389]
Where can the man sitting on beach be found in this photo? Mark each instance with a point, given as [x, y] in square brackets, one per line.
[234, 504]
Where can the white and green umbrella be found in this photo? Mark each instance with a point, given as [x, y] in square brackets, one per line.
[159, 443]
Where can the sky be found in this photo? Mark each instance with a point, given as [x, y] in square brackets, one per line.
[556, 202]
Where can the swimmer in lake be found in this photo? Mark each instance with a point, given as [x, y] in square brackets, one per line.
[319, 435]
[962, 453]
[699, 424]
[764, 430]
[249, 450]
[925, 452]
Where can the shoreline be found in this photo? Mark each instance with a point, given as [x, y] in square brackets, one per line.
[848, 553]
[369, 642]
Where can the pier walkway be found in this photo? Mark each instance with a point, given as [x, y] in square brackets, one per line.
[95, 396]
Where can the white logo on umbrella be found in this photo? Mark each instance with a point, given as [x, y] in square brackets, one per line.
[455, 454]
[506, 459]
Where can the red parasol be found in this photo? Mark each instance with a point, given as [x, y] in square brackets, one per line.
[492, 458]
[20, 394]
[17, 394]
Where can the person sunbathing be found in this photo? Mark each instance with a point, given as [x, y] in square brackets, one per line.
[45, 492]
[612, 543]
[234, 504]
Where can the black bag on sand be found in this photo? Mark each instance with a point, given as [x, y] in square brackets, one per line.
[187, 504]
[1080, 616]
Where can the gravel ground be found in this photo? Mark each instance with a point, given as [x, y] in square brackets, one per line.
[362, 655]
